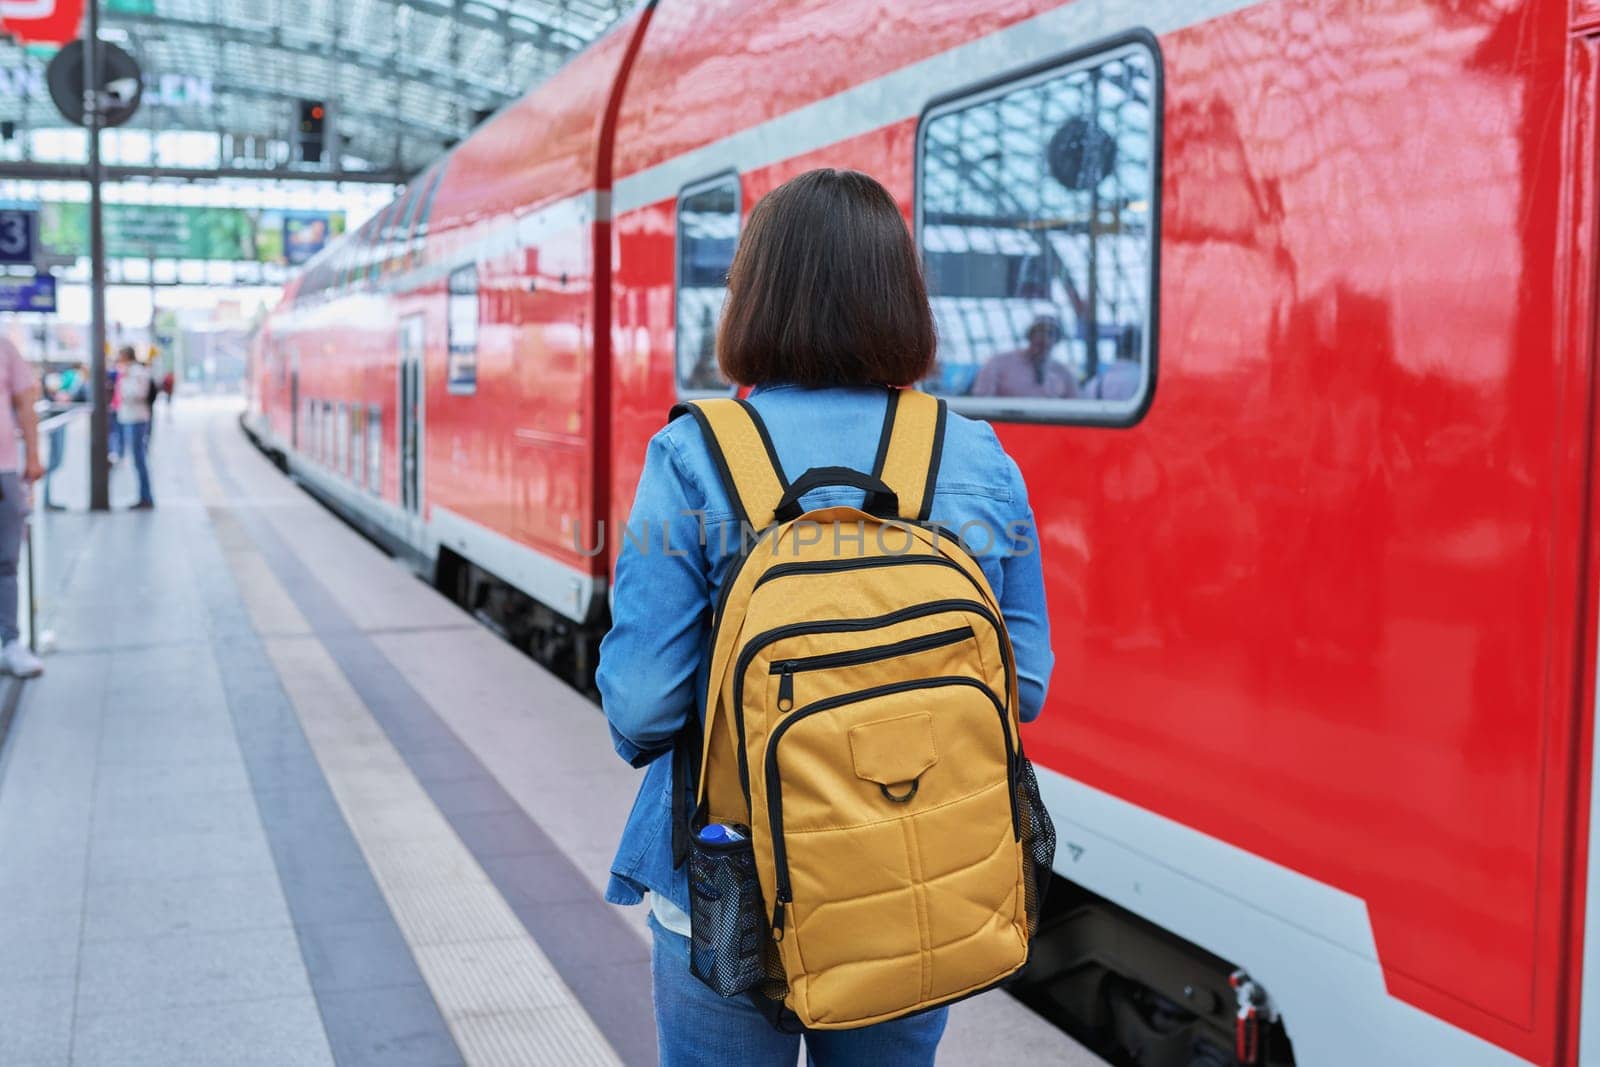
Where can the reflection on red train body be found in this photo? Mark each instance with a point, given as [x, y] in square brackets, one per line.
[1324, 651]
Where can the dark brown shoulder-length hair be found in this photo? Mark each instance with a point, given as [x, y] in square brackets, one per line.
[825, 289]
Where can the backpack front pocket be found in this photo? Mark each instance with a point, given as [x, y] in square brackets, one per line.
[895, 856]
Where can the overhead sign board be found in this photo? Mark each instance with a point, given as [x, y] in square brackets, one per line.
[19, 230]
[172, 231]
[42, 21]
[150, 231]
[28, 294]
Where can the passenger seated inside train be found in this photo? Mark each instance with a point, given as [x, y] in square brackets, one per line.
[1030, 371]
[1122, 377]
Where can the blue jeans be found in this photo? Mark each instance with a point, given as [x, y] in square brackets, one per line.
[13, 512]
[697, 1028]
[137, 435]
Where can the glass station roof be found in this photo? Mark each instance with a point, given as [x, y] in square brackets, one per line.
[402, 80]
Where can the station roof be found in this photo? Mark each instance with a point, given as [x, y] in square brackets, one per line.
[402, 79]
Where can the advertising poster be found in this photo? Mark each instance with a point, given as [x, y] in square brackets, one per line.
[305, 233]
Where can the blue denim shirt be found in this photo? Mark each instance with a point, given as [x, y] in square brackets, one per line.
[654, 661]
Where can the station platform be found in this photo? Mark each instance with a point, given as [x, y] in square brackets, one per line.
[275, 801]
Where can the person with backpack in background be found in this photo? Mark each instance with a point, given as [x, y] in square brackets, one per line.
[134, 391]
[830, 713]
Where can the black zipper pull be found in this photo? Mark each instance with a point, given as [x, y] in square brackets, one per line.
[777, 917]
[786, 685]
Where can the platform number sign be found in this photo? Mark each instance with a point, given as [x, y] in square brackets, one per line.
[17, 230]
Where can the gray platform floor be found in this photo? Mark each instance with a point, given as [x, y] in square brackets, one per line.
[277, 802]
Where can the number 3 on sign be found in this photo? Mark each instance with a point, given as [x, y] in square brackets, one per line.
[16, 236]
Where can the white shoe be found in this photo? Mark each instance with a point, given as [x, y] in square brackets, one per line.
[18, 659]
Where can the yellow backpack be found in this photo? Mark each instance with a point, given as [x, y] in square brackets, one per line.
[888, 847]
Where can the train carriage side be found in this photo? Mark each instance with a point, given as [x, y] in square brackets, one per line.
[463, 324]
[1314, 526]
[518, 416]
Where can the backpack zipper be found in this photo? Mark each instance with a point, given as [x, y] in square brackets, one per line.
[914, 611]
[786, 669]
[780, 851]
[814, 566]
[851, 563]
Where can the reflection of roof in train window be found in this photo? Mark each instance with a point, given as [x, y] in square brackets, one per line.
[1035, 199]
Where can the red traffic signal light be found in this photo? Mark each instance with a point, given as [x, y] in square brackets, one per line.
[312, 113]
[309, 140]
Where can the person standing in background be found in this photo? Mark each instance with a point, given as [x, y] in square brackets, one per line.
[19, 469]
[134, 389]
[74, 386]
[114, 431]
[1029, 371]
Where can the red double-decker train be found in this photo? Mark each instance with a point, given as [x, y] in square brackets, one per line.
[1314, 478]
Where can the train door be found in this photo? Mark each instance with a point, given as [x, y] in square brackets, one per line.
[294, 398]
[411, 416]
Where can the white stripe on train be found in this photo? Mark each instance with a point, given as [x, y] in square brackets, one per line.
[557, 585]
[1308, 944]
[1589, 1006]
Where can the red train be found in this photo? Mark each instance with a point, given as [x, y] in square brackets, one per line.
[1314, 494]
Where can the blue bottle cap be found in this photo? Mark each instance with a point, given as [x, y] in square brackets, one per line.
[719, 834]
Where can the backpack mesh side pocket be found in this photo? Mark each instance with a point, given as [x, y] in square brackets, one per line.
[1038, 841]
[727, 921]
[768, 996]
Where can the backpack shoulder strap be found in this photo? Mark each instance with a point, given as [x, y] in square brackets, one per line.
[909, 450]
[743, 454]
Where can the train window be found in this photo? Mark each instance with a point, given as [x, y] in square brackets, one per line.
[361, 255]
[358, 442]
[341, 438]
[382, 233]
[1037, 224]
[708, 230]
[375, 448]
[419, 233]
[395, 254]
[343, 264]
[462, 371]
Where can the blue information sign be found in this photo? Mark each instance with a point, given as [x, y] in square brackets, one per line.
[18, 229]
[28, 294]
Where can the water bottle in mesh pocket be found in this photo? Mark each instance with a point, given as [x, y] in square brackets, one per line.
[1038, 841]
[726, 916]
